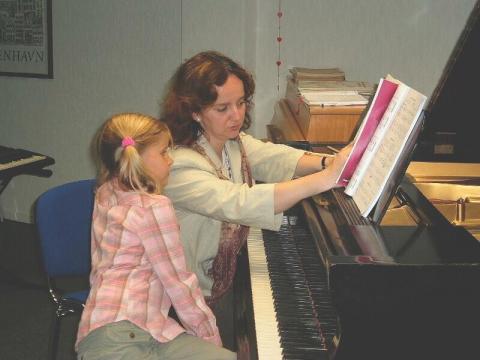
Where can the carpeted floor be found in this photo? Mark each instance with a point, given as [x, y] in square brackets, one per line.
[26, 311]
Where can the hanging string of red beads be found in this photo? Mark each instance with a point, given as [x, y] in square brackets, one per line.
[279, 42]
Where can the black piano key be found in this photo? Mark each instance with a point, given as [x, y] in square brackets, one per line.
[301, 330]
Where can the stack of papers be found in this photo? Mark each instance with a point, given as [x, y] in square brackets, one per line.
[333, 98]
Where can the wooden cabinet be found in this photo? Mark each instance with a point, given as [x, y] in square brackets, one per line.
[327, 124]
[316, 124]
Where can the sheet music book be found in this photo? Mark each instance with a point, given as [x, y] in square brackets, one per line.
[300, 73]
[386, 145]
[333, 98]
[396, 175]
[361, 87]
[381, 99]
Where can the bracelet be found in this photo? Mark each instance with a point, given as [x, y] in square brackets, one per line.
[324, 158]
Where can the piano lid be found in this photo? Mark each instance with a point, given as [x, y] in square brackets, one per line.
[448, 133]
[451, 117]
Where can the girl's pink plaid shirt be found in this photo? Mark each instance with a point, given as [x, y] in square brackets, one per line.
[139, 269]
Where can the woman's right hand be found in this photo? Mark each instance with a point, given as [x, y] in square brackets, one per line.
[335, 166]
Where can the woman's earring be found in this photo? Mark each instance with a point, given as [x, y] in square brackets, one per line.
[197, 118]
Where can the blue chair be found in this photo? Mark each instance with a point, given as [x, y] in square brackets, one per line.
[63, 219]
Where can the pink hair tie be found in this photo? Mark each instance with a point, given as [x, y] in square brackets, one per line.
[127, 141]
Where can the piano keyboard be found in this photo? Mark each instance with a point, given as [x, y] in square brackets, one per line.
[294, 318]
[268, 339]
[19, 162]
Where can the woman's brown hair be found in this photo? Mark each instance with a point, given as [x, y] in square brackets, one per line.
[192, 89]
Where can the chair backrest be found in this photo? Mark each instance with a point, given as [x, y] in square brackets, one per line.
[63, 218]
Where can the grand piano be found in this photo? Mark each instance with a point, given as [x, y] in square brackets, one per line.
[404, 284]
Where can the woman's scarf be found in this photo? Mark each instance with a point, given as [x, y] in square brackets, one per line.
[232, 236]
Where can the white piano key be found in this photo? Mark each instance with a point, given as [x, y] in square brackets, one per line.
[16, 163]
[268, 338]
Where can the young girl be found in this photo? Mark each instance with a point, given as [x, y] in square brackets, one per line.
[138, 264]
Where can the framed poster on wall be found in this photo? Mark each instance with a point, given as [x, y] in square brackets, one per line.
[26, 38]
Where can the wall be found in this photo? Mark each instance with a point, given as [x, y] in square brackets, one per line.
[116, 55]
[411, 39]
[109, 56]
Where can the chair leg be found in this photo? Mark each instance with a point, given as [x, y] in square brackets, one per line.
[53, 343]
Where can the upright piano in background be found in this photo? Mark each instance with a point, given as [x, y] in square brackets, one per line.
[406, 286]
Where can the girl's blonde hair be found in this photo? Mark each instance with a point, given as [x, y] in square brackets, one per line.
[125, 162]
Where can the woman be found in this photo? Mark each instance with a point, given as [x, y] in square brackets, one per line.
[215, 167]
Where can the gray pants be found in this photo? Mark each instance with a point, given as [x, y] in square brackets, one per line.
[124, 340]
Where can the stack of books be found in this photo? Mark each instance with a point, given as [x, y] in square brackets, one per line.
[327, 87]
[309, 74]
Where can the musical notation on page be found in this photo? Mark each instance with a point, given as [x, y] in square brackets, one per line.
[388, 151]
[381, 99]
[366, 174]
